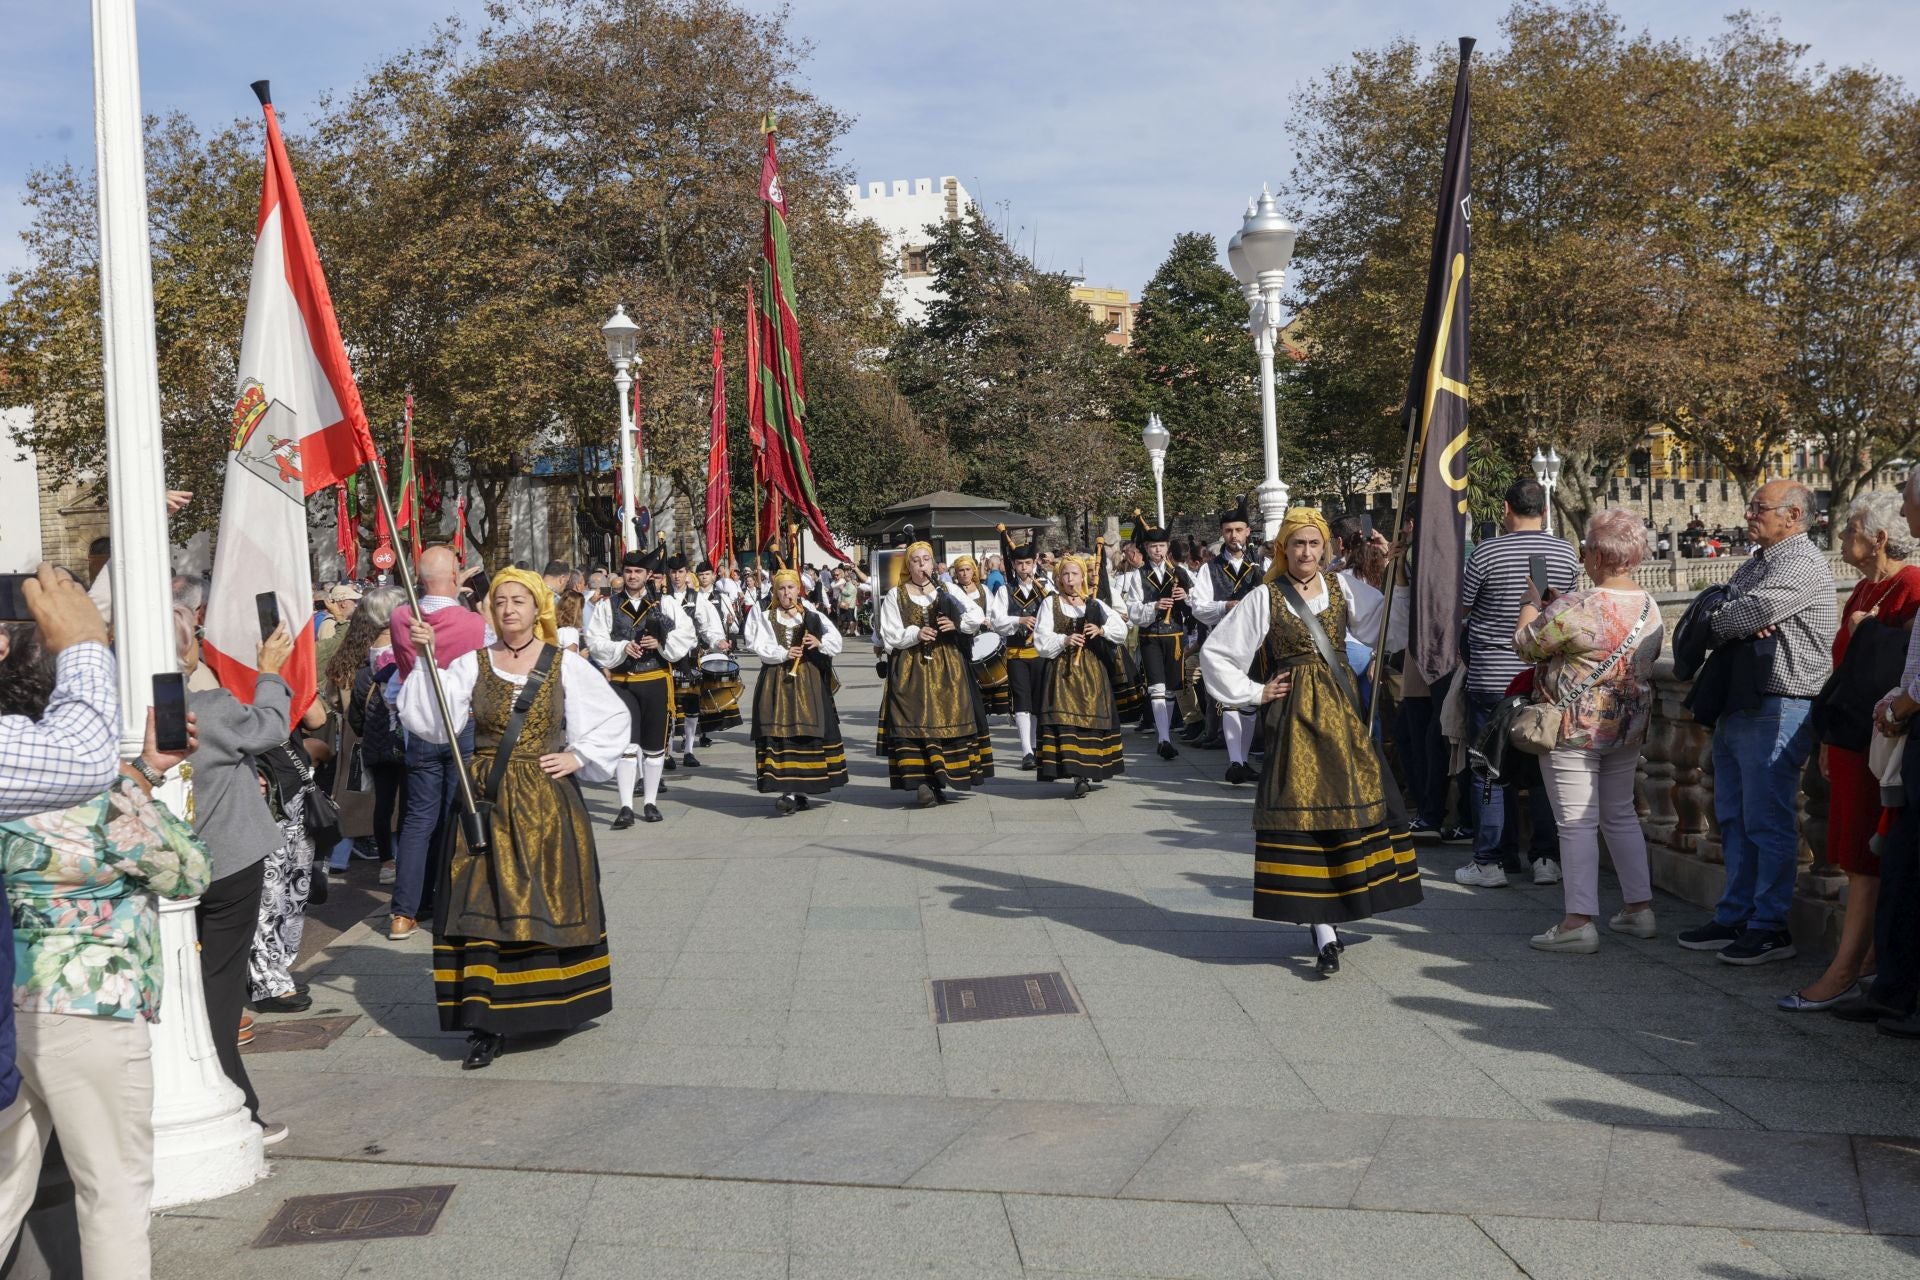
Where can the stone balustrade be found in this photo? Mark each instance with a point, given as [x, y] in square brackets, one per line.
[1675, 795]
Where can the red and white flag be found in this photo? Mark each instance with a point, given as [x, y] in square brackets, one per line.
[298, 428]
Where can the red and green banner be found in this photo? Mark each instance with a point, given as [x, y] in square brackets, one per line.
[789, 469]
[346, 536]
[407, 511]
[719, 482]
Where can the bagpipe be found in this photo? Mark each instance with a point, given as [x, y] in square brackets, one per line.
[1118, 657]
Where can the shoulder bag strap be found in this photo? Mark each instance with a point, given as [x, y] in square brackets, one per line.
[518, 719]
[1613, 659]
[1321, 642]
[1390, 790]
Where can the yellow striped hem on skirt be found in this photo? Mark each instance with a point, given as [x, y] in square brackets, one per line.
[519, 988]
[1333, 877]
[1066, 752]
[809, 766]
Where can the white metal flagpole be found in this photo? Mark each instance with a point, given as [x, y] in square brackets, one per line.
[204, 1142]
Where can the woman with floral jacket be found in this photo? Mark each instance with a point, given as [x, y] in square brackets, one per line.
[83, 886]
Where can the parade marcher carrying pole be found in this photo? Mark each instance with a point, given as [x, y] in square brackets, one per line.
[1436, 415]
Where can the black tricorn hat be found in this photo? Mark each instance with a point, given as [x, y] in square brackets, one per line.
[1144, 531]
[1236, 514]
[705, 566]
[648, 560]
[676, 564]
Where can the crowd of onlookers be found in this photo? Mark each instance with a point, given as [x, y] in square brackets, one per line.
[1784, 675]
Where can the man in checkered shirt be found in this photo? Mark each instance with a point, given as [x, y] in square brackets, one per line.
[66, 757]
[1783, 595]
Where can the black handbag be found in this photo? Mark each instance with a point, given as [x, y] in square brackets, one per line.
[318, 813]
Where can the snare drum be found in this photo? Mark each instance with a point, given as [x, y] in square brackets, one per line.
[990, 659]
[720, 690]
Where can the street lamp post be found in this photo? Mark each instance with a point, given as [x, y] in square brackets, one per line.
[622, 337]
[1259, 253]
[204, 1142]
[1546, 469]
[1156, 438]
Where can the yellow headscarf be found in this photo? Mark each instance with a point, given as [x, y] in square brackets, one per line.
[1296, 519]
[545, 624]
[1085, 564]
[968, 561]
[786, 575]
[919, 546]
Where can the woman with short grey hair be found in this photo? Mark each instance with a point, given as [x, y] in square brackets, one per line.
[1879, 512]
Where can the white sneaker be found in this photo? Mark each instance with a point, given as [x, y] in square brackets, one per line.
[271, 1134]
[1583, 941]
[387, 872]
[1482, 875]
[1637, 923]
[1546, 871]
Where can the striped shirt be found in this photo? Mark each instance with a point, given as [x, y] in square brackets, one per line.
[71, 754]
[1788, 586]
[1492, 591]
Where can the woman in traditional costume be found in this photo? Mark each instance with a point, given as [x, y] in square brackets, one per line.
[1079, 729]
[994, 693]
[520, 941]
[1328, 847]
[797, 749]
[933, 724]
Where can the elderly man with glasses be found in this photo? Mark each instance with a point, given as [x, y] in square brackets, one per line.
[1784, 600]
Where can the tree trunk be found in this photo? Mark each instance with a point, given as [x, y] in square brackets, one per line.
[496, 542]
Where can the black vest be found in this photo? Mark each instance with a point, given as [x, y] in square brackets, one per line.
[630, 621]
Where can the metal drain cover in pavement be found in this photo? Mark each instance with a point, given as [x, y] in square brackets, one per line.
[1026, 995]
[297, 1033]
[355, 1215]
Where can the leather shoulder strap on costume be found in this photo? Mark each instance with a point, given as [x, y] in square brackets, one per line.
[517, 720]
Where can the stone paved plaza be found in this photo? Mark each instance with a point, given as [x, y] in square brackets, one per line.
[772, 1098]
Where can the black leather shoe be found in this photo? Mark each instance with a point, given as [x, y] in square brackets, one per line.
[623, 819]
[482, 1048]
[292, 1002]
[785, 805]
[1166, 751]
[1028, 763]
[940, 796]
[799, 801]
[923, 797]
[704, 740]
[1329, 960]
[690, 760]
[1237, 773]
[1193, 733]
[650, 813]
[1080, 788]
[671, 763]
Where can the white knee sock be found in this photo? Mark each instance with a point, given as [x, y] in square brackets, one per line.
[1323, 934]
[1162, 711]
[693, 731]
[625, 774]
[1023, 725]
[1234, 725]
[650, 770]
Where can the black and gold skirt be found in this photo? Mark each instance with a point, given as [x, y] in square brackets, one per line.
[520, 942]
[1333, 877]
[796, 731]
[1078, 734]
[933, 722]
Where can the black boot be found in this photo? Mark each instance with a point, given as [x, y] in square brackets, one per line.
[1080, 788]
[482, 1048]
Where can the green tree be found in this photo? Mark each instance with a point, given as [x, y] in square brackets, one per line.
[1192, 363]
[1018, 377]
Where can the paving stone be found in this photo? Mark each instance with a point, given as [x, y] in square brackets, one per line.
[1262, 1157]
[1831, 1106]
[1062, 1148]
[686, 1213]
[1228, 1039]
[855, 1138]
[1523, 1167]
[1890, 1183]
[1807, 1255]
[1343, 1244]
[1593, 1097]
[621, 1262]
[443, 1256]
[1548, 1250]
[1441, 1088]
[910, 1065]
[903, 1227]
[1043, 1077]
[1064, 1233]
[1709, 1177]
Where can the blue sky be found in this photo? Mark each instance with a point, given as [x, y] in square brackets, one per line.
[1096, 130]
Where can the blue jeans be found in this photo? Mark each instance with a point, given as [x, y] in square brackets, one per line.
[432, 795]
[1492, 838]
[1757, 759]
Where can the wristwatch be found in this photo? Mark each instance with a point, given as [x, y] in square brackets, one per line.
[153, 776]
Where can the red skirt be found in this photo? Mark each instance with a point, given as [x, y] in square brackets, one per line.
[1853, 812]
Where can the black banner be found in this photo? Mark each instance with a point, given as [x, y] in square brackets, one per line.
[1437, 409]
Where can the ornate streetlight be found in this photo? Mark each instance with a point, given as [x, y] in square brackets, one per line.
[1546, 469]
[1259, 254]
[1156, 438]
[622, 337]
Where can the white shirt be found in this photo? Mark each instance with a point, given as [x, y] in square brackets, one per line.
[598, 727]
[766, 645]
[895, 634]
[1138, 596]
[1232, 646]
[1201, 599]
[1010, 624]
[1365, 603]
[610, 653]
[1051, 643]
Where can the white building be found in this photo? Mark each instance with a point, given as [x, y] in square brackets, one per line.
[19, 496]
[904, 210]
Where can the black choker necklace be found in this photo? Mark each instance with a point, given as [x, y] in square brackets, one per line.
[522, 649]
[1301, 582]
